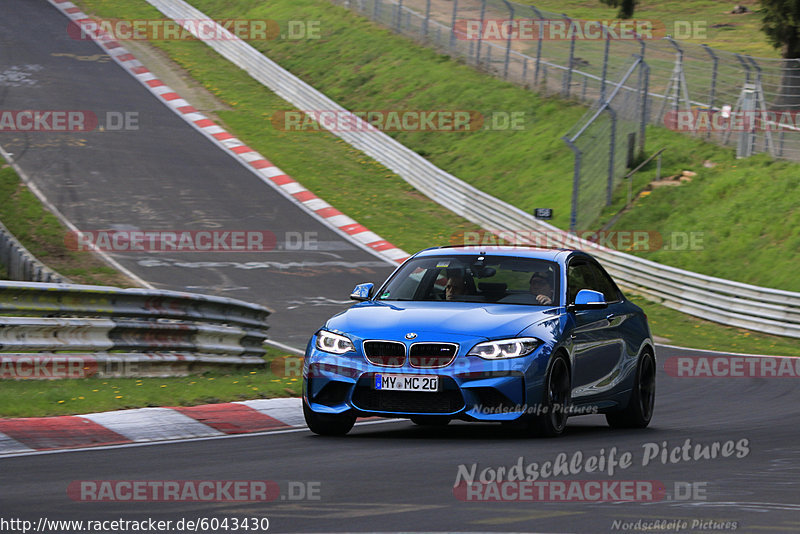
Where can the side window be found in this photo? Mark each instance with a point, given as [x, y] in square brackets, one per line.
[586, 275]
[603, 283]
[578, 277]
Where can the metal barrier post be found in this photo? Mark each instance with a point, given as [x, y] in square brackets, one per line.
[508, 40]
[645, 102]
[539, 19]
[453, 24]
[576, 182]
[398, 15]
[427, 18]
[760, 102]
[565, 88]
[612, 146]
[480, 35]
[605, 70]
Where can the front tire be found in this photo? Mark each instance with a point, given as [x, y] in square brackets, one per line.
[326, 424]
[642, 400]
[557, 397]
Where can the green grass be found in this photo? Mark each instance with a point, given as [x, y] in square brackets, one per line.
[735, 33]
[365, 67]
[44, 236]
[29, 398]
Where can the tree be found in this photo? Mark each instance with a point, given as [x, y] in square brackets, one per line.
[626, 7]
[781, 23]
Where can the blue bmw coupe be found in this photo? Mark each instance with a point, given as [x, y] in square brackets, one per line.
[496, 334]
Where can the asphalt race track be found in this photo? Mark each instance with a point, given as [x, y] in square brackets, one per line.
[384, 476]
[395, 476]
[164, 176]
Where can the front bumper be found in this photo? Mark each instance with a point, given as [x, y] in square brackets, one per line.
[470, 388]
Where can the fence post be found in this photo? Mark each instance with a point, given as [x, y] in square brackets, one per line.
[538, 45]
[605, 69]
[762, 103]
[645, 111]
[427, 18]
[612, 147]
[480, 34]
[677, 83]
[743, 103]
[398, 15]
[376, 9]
[508, 41]
[712, 91]
[453, 24]
[565, 88]
[576, 179]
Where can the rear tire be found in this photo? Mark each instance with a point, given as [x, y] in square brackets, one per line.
[430, 420]
[642, 400]
[326, 424]
[557, 398]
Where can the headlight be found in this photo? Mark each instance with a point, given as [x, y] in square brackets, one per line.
[505, 348]
[335, 343]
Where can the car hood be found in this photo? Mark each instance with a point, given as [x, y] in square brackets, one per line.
[384, 319]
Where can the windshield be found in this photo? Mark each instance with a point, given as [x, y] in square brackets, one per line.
[475, 278]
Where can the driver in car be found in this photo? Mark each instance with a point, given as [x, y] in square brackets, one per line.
[541, 287]
[455, 286]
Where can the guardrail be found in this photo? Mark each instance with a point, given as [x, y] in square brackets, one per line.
[20, 264]
[732, 303]
[133, 332]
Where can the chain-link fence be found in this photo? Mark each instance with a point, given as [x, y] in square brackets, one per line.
[735, 100]
[605, 143]
[745, 95]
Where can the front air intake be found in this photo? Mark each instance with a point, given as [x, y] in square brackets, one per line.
[385, 353]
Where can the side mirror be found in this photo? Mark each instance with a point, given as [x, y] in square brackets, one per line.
[586, 299]
[362, 292]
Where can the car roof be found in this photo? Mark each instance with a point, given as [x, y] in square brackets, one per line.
[558, 255]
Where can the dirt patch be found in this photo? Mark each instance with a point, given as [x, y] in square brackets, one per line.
[172, 74]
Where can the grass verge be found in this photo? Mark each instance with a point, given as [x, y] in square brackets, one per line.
[29, 398]
[715, 24]
[44, 236]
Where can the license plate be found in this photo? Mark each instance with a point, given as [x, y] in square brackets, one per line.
[426, 383]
